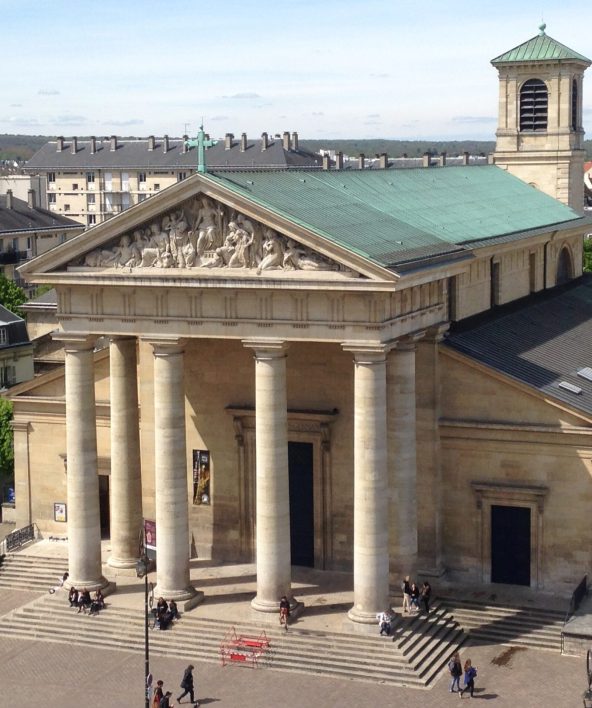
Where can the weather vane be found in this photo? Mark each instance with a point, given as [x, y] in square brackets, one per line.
[201, 143]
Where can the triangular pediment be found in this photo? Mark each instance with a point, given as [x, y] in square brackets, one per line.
[195, 228]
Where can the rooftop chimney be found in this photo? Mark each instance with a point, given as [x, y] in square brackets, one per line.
[491, 159]
[113, 143]
[339, 160]
[74, 146]
[9, 203]
[243, 142]
[326, 162]
[425, 160]
[228, 141]
[60, 145]
[165, 144]
[294, 141]
[383, 161]
[361, 161]
[93, 145]
[286, 140]
[465, 158]
[264, 141]
[185, 148]
[31, 198]
[151, 142]
[442, 159]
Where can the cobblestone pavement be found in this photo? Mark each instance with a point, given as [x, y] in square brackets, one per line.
[52, 675]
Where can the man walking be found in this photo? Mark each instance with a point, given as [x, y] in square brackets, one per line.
[406, 588]
[187, 685]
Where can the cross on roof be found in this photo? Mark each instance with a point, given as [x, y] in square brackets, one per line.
[201, 143]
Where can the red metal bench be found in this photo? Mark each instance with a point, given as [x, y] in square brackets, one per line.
[243, 649]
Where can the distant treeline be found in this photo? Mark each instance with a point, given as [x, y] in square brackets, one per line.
[21, 147]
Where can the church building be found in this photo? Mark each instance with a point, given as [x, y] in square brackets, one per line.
[378, 371]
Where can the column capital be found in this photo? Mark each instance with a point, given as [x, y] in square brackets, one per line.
[166, 346]
[407, 342]
[436, 334]
[20, 425]
[75, 341]
[366, 352]
[273, 348]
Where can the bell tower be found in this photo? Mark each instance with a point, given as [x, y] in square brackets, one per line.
[540, 133]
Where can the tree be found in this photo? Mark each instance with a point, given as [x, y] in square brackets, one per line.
[6, 446]
[588, 255]
[11, 295]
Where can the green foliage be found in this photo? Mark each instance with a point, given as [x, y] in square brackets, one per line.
[6, 444]
[587, 255]
[11, 295]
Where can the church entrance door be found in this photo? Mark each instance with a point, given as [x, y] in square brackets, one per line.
[300, 465]
[510, 545]
[104, 507]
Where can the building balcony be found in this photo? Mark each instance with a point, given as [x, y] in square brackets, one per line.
[8, 257]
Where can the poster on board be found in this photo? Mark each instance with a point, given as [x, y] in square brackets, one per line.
[201, 476]
[60, 512]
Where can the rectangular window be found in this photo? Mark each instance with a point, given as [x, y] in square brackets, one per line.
[91, 198]
[125, 200]
[75, 187]
[141, 180]
[181, 176]
[156, 187]
[142, 197]
[90, 177]
[125, 182]
[108, 181]
[66, 207]
[3, 336]
[51, 177]
[51, 198]
[91, 219]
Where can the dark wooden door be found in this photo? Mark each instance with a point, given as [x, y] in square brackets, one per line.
[300, 464]
[510, 545]
[104, 508]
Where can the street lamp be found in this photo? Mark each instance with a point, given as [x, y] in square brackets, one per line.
[142, 570]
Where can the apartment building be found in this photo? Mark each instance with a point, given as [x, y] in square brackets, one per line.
[93, 179]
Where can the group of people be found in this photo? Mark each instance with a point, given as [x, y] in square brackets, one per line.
[163, 699]
[414, 598]
[82, 600]
[457, 670]
[165, 613]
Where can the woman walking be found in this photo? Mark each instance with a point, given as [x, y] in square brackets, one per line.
[470, 673]
[455, 668]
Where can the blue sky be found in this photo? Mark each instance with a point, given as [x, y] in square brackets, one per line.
[327, 69]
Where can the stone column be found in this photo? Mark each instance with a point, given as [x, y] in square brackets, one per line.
[371, 557]
[272, 490]
[401, 436]
[126, 482]
[22, 473]
[84, 526]
[170, 465]
[429, 471]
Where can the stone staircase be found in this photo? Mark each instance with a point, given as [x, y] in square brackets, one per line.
[516, 626]
[413, 658]
[31, 573]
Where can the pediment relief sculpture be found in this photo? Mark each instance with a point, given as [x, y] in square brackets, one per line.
[206, 234]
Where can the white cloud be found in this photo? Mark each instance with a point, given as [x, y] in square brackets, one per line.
[48, 92]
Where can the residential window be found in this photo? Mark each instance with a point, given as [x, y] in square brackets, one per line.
[91, 198]
[51, 198]
[90, 177]
[156, 186]
[142, 197]
[91, 219]
[181, 176]
[141, 176]
[51, 177]
[66, 207]
[533, 105]
[124, 181]
[75, 187]
[3, 336]
[28, 243]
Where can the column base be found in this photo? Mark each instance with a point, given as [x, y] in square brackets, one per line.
[90, 585]
[185, 594]
[113, 562]
[363, 616]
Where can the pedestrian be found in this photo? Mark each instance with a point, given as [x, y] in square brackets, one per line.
[414, 598]
[60, 583]
[384, 622]
[165, 701]
[455, 669]
[426, 593]
[284, 611]
[406, 588]
[158, 694]
[470, 673]
[187, 684]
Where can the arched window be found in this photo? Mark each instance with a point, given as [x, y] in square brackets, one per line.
[574, 105]
[533, 105]
[564, 267]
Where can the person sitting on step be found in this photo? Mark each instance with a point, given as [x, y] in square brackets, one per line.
[84, 600]
[73, 597]
[97, 604]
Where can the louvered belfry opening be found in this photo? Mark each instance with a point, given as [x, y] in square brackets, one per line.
[533, 105]
[574, 105]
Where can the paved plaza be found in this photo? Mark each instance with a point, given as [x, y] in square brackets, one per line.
[48, 675]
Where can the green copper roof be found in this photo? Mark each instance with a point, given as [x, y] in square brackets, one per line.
[540, 48]
[393, 216]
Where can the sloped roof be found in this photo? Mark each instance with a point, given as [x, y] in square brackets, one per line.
[541, 341]
[134, 153]
[540, 48]
[392, 217]
[23, 217]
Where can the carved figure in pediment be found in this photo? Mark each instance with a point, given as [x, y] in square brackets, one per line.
[224, 253]
[241, 257]
[208, 226]
[272, 250]
[296, 258]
